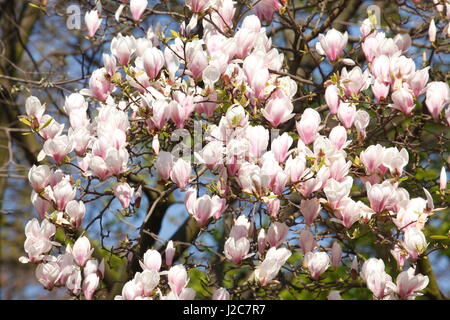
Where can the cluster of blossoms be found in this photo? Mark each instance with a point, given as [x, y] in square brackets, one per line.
[75, 269]
[231, 82]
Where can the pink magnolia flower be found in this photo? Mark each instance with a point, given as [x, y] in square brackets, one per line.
[181, 111]
[403, 41]
[58, 147]
[124, 193]
[269, 268]
[62, 193]
[339, 169]
[266, 8]
[99, 86]
[198, 6]
[395, 160]
[76, 211]
[236, 250]
[403, 100]
[258, 138]
[337, 191]
[34, 108]
[310, 209]
[418, 81]
[39, 177]
[90, 284]
[338, 137]
[332, 44]
[295, 168]
[401, 68]
[137, 8]
[47, 274]
[261, 241]
[278, 111]
[164, 164]
[152, 260]
[276, 234]
[380, 69]
[273, 205]
[316, 263]
[380, 90]
[354, 81]
[309, 125]
[415, 242]
[381, 196]
[332, 98]
[82, 251]
[408, 284]
[432, 31]
[372, 158]
[177, 278]
[256, 73]
[346, 114]
[400, 256]
[336, 254]
[307, 241]
[180, 173]
[123, 48]
[74, 102]
[438, 95]
[169, 253]
[41, 205]
[153, 60]
[92, 21]
[37, 241]
[236, 117]
[371, 265]
[380, 283]
[201, 208]
[349, 212]
[280, 147]
[362, 120]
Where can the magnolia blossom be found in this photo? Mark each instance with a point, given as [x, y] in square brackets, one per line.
[137, 8]
[38, 240]
[276, 234]
[152, 260]
[169, 253]
[307, 241]
[310, 209]
[34, 108]
[124, 193]
[415, 242]
[278, 110]
[236, 249]
[180, 173]
[336, 254]
[438, 95]
[332, 44]
[92, 22]
[177, 278]
[316, 263]
[408, 284]
[269, 268]
[82, 251]
[308, 126]
[332, 98]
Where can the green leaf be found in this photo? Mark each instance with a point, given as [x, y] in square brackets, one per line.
[439, 237]
[25, 121]
[46, 124]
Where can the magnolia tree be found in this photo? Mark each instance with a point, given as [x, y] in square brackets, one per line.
[296, 186]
